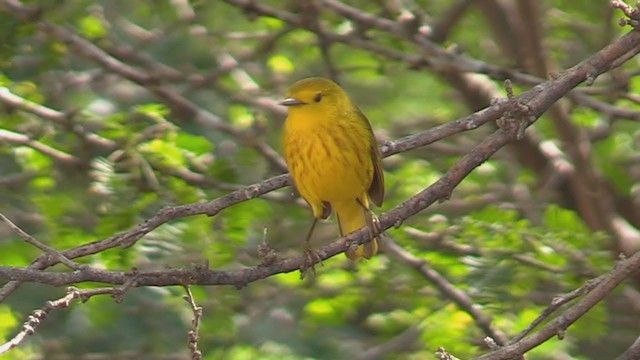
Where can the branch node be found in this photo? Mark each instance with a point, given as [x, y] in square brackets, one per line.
[557, 300]
[29, 330]
[442, 354]
[51, 254]
[240, 285]
[266, 253]
[251, 191]
[411, 23]
[509, 88]
[491, 343]
[633, 15]
[130, 282]
[517, 118]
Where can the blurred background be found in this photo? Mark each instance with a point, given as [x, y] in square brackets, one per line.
[112, 110]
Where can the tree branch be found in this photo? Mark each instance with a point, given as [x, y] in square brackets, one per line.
[458, 296]
[536, 101]
[38, 316]
[557, 327]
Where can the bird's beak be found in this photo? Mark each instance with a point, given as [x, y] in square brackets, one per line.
[291, 102]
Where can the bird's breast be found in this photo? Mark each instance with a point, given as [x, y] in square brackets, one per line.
[328, 160]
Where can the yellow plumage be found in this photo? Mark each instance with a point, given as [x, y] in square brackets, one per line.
[333, 156]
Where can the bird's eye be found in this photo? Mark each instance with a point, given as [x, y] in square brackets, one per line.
[318, 97]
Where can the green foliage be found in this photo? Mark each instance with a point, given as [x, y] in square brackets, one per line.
[8, 322]
[449, 328]
[509, 237]
[268, 350]
[613, 154]
[586, 117]
[91, 27]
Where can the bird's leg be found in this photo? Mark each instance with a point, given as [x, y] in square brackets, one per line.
[326, 211]
[313, 226]
[370, 248]
[372, 219]
[311, 256]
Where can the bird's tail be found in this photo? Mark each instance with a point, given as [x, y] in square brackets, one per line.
[353, 215]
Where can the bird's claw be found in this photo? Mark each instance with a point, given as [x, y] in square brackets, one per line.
[311, 259]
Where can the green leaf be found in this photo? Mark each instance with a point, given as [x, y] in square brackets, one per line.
[153, 110]
[31, 159]
[585, 117]
[564, 220]
[8, 322]
[281, 64]
[241, 116]
[198, 145]
[92, 27]
[161, 150]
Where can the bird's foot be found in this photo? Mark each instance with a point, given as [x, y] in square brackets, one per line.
[311, 259]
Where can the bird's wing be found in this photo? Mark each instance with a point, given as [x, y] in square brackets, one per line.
[376, 190]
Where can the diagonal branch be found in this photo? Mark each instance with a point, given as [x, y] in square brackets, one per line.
[46, 248]
[633, 352]
[557, 327]
[536, 100]
[15, 138]
[38, 316]
[55, 116]
[458, 296]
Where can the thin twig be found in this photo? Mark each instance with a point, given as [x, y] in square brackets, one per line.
[458, 296]
[605, 285]
[21, 139]
[193, 335]
[38, 316]
[557, 303]
[632, 353]
[178, 103]
[46, 248]
[55, 116]
[10, 99]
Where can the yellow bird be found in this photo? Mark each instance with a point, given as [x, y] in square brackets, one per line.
[333, 157]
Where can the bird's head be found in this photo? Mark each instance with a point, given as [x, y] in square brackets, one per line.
[316, 93]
